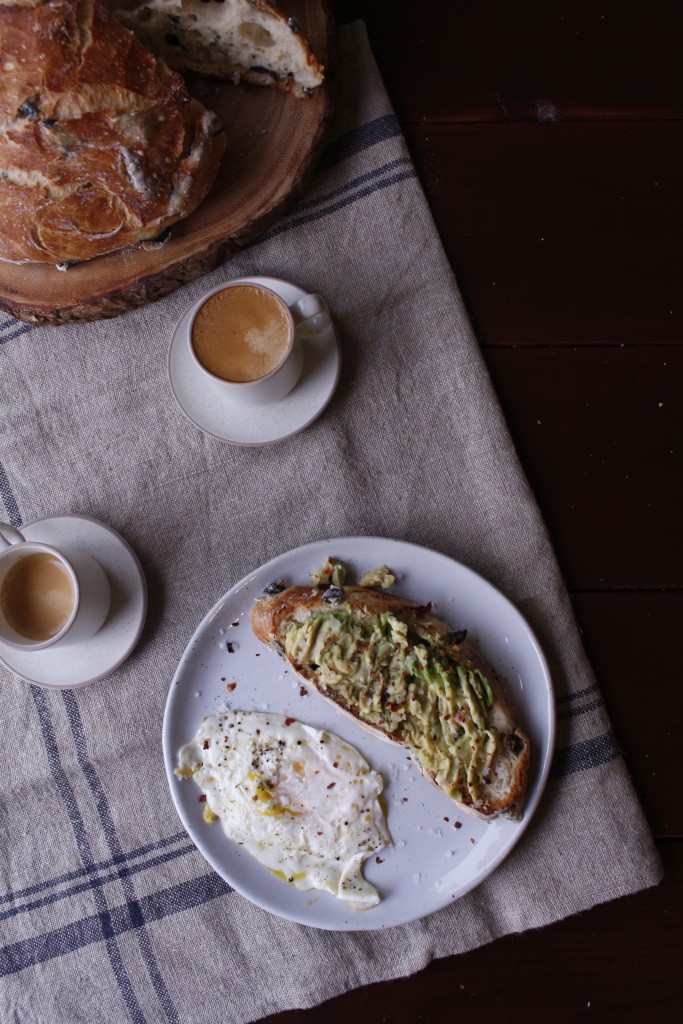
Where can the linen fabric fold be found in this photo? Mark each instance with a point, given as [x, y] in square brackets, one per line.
[108, 911]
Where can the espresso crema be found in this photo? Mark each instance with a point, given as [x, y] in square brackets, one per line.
[242, 333]
[37, 596]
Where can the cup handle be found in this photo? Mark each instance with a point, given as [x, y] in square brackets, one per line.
[9, 536]
[311, 315]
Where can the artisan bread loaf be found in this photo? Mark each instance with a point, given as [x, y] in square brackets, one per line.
[242, 40]
[410, 678]
[101, 145]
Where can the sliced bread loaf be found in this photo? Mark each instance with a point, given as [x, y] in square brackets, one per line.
[101, 145]
[242, 40]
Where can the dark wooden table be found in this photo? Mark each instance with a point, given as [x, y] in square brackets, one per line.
[548, 138]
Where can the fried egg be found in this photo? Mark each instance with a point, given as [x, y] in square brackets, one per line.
[302, 802]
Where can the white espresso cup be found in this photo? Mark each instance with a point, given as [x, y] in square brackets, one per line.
[247, 341]
[48, 599]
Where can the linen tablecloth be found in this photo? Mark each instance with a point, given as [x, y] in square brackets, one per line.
[108, 911]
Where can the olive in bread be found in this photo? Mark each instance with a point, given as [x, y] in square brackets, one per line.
[409, 677]
[241, 40]
[101, 145]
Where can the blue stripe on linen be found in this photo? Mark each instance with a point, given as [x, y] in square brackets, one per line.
[307, 218]
[568, 697]
[8, 500]
[363, 137]
[125, 875]
[573, 712]
[103, 865]
[10, 329]
[62, 894]
[583, 756]
[27, 952]
[102, 921]
[310, 204]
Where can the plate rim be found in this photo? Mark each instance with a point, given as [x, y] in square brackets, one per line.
[530, 808]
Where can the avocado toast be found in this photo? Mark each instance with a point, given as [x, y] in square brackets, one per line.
[407, 676]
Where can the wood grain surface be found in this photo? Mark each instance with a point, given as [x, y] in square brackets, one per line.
[548, 140]
[263, 171]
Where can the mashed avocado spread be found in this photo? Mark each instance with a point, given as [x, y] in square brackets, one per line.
[407, 679]
[331, 573]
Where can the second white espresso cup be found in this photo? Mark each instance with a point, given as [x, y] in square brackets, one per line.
[247, 341]
[48, 598]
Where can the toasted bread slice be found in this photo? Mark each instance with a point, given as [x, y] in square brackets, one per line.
[408, 677]
[241, 40]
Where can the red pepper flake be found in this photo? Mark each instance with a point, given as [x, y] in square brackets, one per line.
[404, 799]
[288, 721]
[327, 572]
[335, 764]
[332, 785]
[303, 692]
[446, 819]
[318, 833]
[472, 841]
[379, 860]
[206, 745]
[458, 824]
[230, 687]
[202, 798]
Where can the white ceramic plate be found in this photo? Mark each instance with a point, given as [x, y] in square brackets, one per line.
[433, 861]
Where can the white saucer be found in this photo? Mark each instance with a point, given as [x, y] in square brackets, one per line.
[68, 667]
[262, 424]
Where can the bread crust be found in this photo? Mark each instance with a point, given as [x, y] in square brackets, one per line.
[270, 614]
[101, 145]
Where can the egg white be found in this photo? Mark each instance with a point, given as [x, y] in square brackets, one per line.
[303, 802]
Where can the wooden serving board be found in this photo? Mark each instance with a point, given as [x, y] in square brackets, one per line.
[274, 140]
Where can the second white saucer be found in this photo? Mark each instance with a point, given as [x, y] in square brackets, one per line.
[266, 424]
[72, 666]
